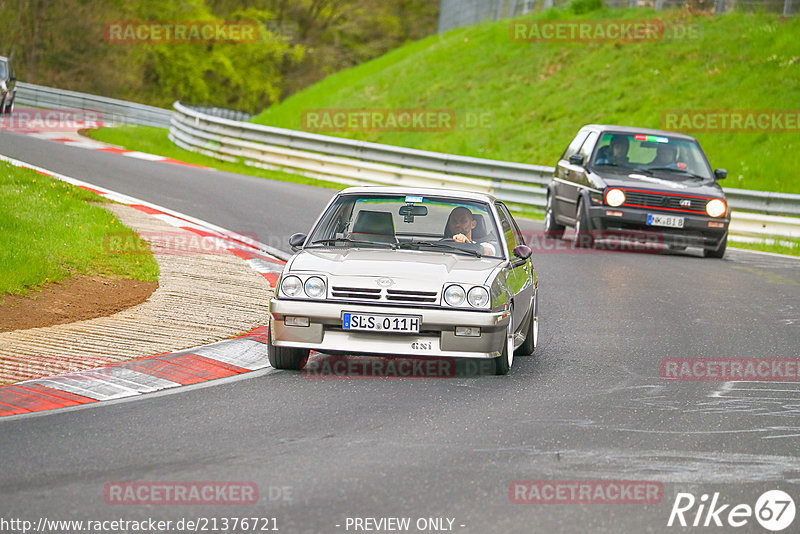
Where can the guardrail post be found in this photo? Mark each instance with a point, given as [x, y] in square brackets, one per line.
[719, 7]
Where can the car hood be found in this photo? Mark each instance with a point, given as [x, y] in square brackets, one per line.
[407, 269]
[661, 182]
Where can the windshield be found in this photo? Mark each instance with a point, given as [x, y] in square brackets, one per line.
[408, 222]
[3, 69]
[668, 156]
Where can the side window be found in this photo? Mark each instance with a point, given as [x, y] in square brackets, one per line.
[510, 230]
[574, 145]
[588, 146]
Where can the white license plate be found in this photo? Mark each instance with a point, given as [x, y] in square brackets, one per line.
[664, 220]
[381, 323]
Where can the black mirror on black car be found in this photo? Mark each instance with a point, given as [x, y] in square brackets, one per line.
[576, 159]
[297, 241]
[522, 251]
[720, 174]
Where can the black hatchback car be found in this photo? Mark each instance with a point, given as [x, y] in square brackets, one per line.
[8, 86]
[639, 184]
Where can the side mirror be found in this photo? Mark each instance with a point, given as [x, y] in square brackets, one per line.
[720, 174]
[576, 159]
[522, 251]
[296, 241]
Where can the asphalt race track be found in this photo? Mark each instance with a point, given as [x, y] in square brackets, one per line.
[590, 405]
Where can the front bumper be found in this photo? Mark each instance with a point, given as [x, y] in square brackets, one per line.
[436, 338]
[632, 224]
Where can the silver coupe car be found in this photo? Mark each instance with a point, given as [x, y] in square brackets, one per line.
[398, 271]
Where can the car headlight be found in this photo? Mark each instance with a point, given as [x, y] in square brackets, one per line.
[716, 208]
[315, 287]
[615, 197]
[291, 286]
[454, 295]
[478, 297]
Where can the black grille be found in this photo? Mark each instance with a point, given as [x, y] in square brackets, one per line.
[411, 296]
[391, 295]
[658, 201]
[356, 293]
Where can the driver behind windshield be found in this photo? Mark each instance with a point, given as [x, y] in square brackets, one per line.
[666, 156]
[459, 227]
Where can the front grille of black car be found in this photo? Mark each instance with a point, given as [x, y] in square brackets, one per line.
[659, 201]
[398, 296]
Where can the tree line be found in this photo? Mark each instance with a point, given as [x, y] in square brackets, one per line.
[66, 44]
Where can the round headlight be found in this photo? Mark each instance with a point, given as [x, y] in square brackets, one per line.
[315, 287]
[615, 197]
[291, 286]
[454, 295]
[716, 207]
[478, 297]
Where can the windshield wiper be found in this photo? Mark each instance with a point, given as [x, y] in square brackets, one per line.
[673, 169]
[333, 240]
[445, 245]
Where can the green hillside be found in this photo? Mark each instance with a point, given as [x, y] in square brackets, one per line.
[533, 97]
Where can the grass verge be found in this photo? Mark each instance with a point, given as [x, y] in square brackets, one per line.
[777, 245]
[52, 230]
[523, 102]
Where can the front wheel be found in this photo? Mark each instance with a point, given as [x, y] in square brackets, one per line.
[583, 236]
[503, 363]
[528, 347]
[719, 251]
[287, 357]
[552, 229]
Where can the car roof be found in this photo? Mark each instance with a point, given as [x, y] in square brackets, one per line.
[419, 191]
[634, 130]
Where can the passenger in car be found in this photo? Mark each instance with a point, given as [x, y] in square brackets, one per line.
[615, 153]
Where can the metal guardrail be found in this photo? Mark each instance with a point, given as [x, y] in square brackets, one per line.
[357, 162]
[110, 110]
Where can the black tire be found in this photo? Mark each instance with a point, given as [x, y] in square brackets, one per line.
[11, 105]
[503, 363]
[287, 357]
[528, 346]
[552, 229]
[3, 105]
[583, 235]
[719, 252]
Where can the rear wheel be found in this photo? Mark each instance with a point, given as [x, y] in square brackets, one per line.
[552, 229]
[503, 363]
[583, 236]
[719, 251]
[532, 332]
[287, 357]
